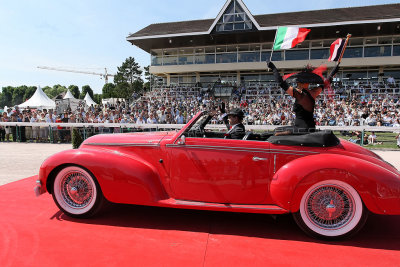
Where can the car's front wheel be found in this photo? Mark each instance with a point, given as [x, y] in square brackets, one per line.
[331, 209]
[77, 193]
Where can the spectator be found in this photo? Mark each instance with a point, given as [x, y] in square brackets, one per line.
[2, 130]
[7, 129]
[372, 138]
[35, 129]
[43, 130]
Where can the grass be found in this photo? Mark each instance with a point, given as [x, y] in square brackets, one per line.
[386, 140]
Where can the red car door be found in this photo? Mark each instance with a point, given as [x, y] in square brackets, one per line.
[220, 170]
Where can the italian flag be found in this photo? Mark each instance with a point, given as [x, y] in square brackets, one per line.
[288, 37]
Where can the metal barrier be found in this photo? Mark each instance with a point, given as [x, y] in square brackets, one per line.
[62, 132]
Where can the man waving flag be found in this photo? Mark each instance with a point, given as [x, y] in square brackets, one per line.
[337, 49]
[289, 37]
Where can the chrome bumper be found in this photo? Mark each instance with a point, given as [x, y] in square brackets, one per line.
[38, 188]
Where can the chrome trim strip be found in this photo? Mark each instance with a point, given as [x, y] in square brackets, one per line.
[243, 149]
[274, 163]
[123, 144]
[222, 205]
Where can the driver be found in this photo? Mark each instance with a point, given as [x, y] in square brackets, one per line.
[235, 118]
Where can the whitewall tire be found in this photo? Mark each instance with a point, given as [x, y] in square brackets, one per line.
[331, 209]
[77, 193]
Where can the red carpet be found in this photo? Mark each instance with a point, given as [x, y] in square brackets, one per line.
[33, 232]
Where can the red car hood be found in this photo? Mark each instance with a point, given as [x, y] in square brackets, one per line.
[129, 138]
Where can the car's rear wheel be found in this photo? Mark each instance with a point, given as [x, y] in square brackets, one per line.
[77, 193]
[331, 209]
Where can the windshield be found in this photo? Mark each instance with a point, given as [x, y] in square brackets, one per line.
[200, 123]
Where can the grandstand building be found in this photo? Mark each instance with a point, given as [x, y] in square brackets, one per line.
[235, 45]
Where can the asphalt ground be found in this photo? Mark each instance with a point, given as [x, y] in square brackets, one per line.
[22, 160]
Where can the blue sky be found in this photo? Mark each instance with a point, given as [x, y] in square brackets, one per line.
[91, 35]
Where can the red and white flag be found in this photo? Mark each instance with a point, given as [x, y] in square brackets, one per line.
[336, 49]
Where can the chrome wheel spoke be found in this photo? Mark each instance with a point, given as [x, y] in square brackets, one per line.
[330, 207]
[76, 189]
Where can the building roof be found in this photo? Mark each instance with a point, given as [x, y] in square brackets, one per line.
[268, 21]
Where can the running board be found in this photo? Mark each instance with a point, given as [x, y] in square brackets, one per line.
[185, 204]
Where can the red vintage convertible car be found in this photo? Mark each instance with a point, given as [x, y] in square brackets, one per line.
[329, 185]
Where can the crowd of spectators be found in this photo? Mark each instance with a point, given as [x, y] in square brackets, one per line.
[177, 105]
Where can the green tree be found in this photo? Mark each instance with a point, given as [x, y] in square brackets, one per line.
[86, 89]
[6, 96]
[29, 93]
[18, 94]
[128, 78]
[97, 98]
[54, 91]
[108, 90]
[149, 78]
[74, 90]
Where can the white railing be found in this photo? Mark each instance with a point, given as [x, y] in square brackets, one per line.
[180, 126]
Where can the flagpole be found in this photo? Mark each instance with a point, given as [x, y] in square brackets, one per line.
[344, 48]
[272, 50]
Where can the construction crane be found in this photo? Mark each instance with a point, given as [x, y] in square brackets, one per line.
[104, 75]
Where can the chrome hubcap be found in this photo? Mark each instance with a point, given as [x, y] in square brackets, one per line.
[330, 207]
[76, 190]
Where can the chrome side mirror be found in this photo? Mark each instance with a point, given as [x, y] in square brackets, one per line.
[182, 140]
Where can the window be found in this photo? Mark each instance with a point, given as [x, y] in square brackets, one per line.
[396, 50]
[186, 59]
[327, 43]
[226, 58]
[320, 54]
[156, 57]
[305, 44]
[170, 57]
[352, 52]
[170, 60]
[356, 41]
[377, 51]
[385, 40]
[210, 59]
[317, 44]
[276, 56]
[296, 54]
[234, 19]
[156, 60]
[369, 41]
[249, 53]
[249, 56]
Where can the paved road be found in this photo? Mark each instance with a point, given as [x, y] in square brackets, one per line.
[22, 160]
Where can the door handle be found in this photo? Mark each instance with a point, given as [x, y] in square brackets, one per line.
[259, 159]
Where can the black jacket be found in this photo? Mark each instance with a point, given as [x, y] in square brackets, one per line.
[237, 132]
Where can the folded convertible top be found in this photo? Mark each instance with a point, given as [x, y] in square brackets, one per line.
[316, 139]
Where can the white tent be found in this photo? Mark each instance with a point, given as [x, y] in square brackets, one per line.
[69, 95]
[39, 100]
[89, 100]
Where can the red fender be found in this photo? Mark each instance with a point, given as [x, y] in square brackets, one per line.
[122, 178]
[378, 185]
